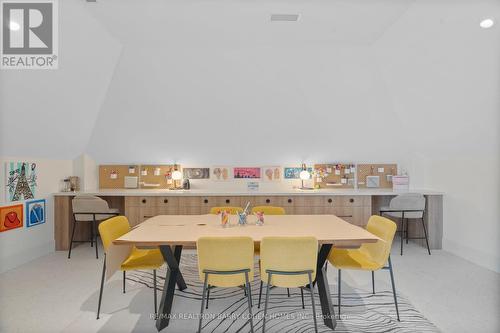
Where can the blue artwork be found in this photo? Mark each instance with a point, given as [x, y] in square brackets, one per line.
[294, 173]
[35, 212]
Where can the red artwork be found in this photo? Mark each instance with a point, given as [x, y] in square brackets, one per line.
[11, 217]
[250, 173]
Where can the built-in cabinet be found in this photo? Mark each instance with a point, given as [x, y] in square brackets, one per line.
[354, 209]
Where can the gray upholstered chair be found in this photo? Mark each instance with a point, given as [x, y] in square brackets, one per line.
[89, 209]
[405, 207]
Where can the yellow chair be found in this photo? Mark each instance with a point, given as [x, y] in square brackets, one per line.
[114, 228]
[288, 262]
[225, 262]
[269, 210]
[370, 256]
[230, 209]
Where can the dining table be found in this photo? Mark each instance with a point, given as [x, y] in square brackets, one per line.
[172, 233]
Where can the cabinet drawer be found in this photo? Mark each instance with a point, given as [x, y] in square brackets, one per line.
[147, 201]
[308, 200]
[226, 201]
[167, 210]
[288, 201]
[350, 201]
[189, 201]
[167, 202]
[268, 201]
[190, 210]
[146, 213]
[132, 201]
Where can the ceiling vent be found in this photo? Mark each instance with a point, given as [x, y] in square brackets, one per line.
[284, 17]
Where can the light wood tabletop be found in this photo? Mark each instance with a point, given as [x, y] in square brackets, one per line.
[186, 229]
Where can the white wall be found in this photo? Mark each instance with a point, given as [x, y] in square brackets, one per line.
[21, 245]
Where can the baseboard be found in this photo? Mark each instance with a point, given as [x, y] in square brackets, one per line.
[480, 258]
[25, 256]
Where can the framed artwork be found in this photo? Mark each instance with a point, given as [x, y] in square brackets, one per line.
[294, 172]
[196, 173]
[221, 173]
[35, 212]
[11, 217]
[21, 180]
[246, 173]
[272, 174]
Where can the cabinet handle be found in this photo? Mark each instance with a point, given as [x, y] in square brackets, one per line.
[165, 200]
[205, 201]
[351, 200]
[143, 200]
[228, 201]
[330, 200]
[268, 201]
[289, 200]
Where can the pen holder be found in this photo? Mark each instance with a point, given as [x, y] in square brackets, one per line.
[260, 218]
[242, 219]
[224, 219]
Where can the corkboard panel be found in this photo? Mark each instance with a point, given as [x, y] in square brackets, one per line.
[152, 181]
[330, 180]
[365, 170]
[105, 180]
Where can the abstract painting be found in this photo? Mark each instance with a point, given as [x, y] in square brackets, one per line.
[21, 180]
[294, 172]
[272, 174]
[11, 217]
[196, 173]
[35, 212]
[221, 173]
[246, 173]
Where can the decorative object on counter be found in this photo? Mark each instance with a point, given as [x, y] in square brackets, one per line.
[242, 218]
[186, 185]
[35, 212]
[329, 175]
[260, 218]
[367, 173]
[196, 173]
[304, 175]
[293, 172]
[272, 174]
[246, 173]
[11, 217]
[224, 218]
[21, 180]
[221, 173]
[176, 177]
[74, 182]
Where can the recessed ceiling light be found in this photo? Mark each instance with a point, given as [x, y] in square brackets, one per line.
[487, 23]
[14, 26]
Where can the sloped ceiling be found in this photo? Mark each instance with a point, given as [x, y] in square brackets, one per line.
[215, 82]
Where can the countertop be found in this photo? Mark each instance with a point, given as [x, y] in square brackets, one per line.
[225, 192]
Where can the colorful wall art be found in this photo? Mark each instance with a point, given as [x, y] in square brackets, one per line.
[294, 172]
[21, 180]
[196, 173]
[221, 173]
[272, 174]
[35, 212]
[11, 217]
[246, 173]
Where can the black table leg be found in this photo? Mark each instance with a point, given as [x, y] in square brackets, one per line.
[324, 289]
[181, 284]
[171, 278]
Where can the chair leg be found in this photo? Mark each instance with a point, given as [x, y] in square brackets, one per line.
[102, 286]
[288, 291]
[265, 303]
[94, 226]
[402, 234]
[155, 292]
[393, 287]
[426, 238]
[248, 290]
[302, 296]
[91, 234]
[71, 243]
[373, 282]
[124, 278]
[244, 291]
[340, 282]
[260, 293]
[407, 237]
[312, 303]
[208, 296]
[203, 302]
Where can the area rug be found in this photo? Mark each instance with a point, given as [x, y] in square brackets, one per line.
[361, 311]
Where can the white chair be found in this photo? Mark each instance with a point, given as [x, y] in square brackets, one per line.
[89, 209]
[407, 206]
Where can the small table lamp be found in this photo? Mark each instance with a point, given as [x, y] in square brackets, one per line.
[176, 175]
[304, 175]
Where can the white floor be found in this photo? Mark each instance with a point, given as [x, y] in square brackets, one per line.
[54, 294]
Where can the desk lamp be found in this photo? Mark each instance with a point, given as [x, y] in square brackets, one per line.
[304, 175]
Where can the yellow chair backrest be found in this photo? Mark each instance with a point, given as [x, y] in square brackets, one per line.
[288, 254]
[230, 209]
[384, 229]
[112, 229]
[269, 210]
[225, 254]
